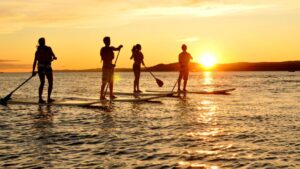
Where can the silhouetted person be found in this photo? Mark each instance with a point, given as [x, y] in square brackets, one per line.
[107, 56]
[184, 60]
[138, 58]
[44, 56]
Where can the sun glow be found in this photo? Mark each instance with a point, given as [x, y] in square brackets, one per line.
[207, 60]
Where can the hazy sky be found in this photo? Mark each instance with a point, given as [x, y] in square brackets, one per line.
[233, 30]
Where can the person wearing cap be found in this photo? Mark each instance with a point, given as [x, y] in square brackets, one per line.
[107, 56]
[184, 60]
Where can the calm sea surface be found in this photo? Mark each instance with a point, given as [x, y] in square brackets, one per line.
[257, 126]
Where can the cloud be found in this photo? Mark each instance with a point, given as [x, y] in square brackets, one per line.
[188, 39]
[4, 61]
[16, 15]
[10, 64]
[195, 11]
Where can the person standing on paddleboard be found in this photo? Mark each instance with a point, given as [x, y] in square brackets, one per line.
[43, 58]
[107, 56]
[184, 60]
[138, 58]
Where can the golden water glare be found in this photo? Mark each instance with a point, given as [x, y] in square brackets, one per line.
[207, 78]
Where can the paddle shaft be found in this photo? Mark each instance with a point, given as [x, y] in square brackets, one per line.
[175, 85]
[20, 86]
[113, 69]
[150, 72]
[6, 98]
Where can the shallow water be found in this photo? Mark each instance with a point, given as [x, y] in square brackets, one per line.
[257, 126]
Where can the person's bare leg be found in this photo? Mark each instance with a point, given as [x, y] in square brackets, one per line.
[111, 90]
[185, 78]
[135, 85]
[179, 82]
[102, 96]
[50, 86]
[184, 85]
[41, 88]
[138, 84]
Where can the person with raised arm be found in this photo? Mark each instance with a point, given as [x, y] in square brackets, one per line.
[107, 56]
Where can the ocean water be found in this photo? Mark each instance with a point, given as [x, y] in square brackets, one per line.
[256, 126]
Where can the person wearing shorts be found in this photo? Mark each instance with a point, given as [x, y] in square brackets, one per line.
[43, 58]
[184, 60]
[107, 56]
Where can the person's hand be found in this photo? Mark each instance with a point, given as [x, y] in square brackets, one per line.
[113, 65]
[33, 73]
[121, 46]
[55, 58]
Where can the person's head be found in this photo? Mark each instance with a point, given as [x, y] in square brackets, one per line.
[106, 40]
[133, 48]
[42, 42]
[184, 47]
[138, 47]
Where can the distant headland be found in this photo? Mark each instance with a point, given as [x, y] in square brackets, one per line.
[196, 67]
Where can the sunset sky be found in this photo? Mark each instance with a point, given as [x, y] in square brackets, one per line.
[232, 30]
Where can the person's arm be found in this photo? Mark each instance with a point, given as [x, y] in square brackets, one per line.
[53, 55]
[118, 48]
[34, 65]
[142, 56]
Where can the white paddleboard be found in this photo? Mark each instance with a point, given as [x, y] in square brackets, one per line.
[144, 99]
[223, 91]
[144, 94]
[55, 103]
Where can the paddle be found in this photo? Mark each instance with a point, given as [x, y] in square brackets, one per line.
[175, 85]
[159, 82]
[106, 87]
[4, 100]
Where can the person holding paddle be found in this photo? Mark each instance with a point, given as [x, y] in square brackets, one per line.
[44, 56]
[138, 58]
[107, 56]
[184, 60]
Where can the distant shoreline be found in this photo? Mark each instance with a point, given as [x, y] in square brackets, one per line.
[290, 66]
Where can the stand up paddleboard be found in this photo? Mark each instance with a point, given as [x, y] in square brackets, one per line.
[144, 94]
[144, 99]
[55, 103]
[224, 91]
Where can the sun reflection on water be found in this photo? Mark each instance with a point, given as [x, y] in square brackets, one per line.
[207, 78]
[207, 132]
[189, 165]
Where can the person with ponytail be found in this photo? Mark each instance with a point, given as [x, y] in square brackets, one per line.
[138, 58]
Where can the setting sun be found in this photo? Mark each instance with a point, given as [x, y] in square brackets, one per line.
[207, 60]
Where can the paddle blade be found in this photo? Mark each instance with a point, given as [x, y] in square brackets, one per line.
[159, 82]
[4, 100]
